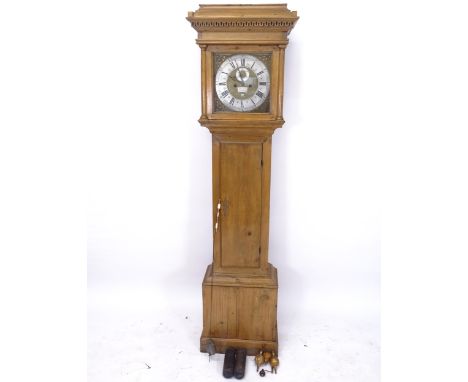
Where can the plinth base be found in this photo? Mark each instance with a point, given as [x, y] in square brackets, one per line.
[240, 311]
[252, 346]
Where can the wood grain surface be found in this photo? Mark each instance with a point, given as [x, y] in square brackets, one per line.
[240, 288]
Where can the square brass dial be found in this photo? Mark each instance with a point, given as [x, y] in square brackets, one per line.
[241, 82]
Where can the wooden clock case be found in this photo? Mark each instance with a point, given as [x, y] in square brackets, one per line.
[240, 286]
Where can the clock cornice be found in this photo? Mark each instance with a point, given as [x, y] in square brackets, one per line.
[234, 24]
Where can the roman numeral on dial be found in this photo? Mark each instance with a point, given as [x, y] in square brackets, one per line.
[243, 61]
[231, 102]
[224, 93]
[259, 93]
[262, 83]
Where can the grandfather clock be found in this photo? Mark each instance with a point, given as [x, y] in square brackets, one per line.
[242, 71]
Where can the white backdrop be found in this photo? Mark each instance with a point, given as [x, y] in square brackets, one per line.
[377, 92]
[149, 227]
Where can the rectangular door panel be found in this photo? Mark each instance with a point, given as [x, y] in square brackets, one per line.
[241, 194]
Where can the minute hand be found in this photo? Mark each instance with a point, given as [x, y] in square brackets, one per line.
[236, 80]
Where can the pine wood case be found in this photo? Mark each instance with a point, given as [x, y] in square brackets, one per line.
[240, 287]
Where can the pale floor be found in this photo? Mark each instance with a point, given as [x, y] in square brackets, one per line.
[141, 342]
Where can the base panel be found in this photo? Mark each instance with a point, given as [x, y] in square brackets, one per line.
[240, 311]
[252, 346]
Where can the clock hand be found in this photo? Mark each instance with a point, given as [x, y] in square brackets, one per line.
[234, 79]
[236, 82]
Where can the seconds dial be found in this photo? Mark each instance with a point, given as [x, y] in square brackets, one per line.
[242, 82]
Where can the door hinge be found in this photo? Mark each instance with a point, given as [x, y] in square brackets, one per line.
[261, 162]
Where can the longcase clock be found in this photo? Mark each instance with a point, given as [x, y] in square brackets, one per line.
[242, 71]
